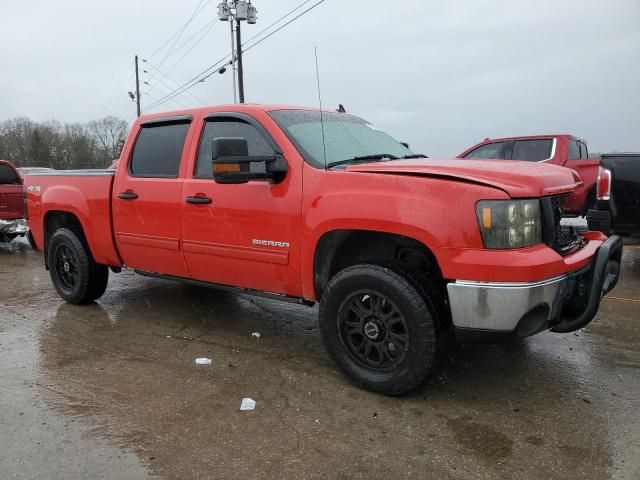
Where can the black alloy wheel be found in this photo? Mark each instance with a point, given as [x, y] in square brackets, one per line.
[373, 330]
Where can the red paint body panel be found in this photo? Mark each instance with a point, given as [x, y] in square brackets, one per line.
[264, 236]
[87, 197]
[11, 195]
[587, 169]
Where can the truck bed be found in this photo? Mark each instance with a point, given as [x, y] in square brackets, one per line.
[85, 194]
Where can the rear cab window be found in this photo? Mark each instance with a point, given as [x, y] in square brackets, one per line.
[158, 150]
[8, 176]
[534, 150]
[577, 150]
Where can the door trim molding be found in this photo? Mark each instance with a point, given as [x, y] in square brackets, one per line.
[263, 255]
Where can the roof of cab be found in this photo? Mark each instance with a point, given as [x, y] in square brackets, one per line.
[237, 107]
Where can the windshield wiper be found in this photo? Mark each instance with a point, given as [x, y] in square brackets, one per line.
[415, 155]
[377, 156]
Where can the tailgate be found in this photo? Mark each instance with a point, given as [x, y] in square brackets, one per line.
[11, 202]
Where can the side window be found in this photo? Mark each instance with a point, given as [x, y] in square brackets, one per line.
[8, 176]
[574, 150]
[584, 153]
[532, 150]
[490, 150]
[158, 150]
[235, 128]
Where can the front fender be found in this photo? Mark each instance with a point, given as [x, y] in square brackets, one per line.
[434, 212]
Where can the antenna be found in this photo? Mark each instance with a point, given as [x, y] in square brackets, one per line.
[324, 145]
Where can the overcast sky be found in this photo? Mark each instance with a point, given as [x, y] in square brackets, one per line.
[441, 74]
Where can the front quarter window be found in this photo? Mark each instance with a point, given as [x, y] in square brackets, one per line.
[345, 136]
[490, 150]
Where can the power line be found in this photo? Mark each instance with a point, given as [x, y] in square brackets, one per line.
[205, 74]
[278, 21]
[190, 49]
[205, 28]
[110, 106]
[282, 26]
[172, 89]
[195, 80]
[178, 32]
[197, 10]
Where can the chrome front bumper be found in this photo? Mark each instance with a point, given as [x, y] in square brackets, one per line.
[501, 306]
[562, 304]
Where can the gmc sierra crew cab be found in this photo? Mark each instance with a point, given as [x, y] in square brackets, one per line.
[403, 253]
[562, 150]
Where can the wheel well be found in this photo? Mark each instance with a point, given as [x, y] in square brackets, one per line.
[340, 249]
[55, 220]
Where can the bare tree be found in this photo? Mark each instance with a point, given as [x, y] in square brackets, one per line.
[108, 132]
[63, 146]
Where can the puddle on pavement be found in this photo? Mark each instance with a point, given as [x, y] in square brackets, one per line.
[544, 407]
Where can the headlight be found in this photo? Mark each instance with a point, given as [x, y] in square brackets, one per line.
[509, 223]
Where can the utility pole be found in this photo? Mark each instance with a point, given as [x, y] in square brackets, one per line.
[233, 65]
[237, 11]
[137, 88]
[240, 71]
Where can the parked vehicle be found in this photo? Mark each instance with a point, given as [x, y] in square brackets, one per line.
[400, 251]
[563, 150]
[12, 210]
[618, 194]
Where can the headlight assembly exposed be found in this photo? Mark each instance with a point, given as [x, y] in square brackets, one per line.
[508, 224]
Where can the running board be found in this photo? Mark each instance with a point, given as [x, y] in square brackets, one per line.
[229, 288]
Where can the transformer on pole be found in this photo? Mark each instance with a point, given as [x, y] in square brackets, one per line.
[237, 11]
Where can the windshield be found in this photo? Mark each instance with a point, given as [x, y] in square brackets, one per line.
[345, 137]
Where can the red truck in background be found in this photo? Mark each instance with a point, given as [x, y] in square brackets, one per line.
[12, 210]
[562, 150]
[402, 252]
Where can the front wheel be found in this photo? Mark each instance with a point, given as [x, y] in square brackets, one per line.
[75, 275]
[380, 328]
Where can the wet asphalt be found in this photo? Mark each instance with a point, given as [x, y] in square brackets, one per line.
[111, 391]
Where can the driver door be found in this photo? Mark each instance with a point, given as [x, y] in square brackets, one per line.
[244, 235]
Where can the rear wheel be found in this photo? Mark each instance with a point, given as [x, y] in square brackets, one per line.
[75, 275]
[381, 328]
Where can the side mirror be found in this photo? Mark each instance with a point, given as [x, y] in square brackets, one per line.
[231, 163]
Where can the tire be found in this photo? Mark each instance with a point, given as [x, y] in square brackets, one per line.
[365, 311]
[75, 275]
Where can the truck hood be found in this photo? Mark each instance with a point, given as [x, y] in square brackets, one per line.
[518, 179]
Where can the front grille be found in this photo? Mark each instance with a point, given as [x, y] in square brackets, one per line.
[563, 240]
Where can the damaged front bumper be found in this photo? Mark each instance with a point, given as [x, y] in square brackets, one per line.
[561, 304]
[10, 229]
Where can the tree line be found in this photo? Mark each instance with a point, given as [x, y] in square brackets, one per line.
[63, 146]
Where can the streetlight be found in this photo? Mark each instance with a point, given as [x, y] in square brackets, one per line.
[238, 11]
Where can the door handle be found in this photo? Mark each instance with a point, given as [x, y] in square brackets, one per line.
[199, 200]
[128, 195]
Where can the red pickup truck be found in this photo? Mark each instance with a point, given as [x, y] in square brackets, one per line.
[11, 203]
[402, 252]
[563, 150]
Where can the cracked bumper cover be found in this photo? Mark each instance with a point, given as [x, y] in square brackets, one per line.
[562, 304]
[13, 227]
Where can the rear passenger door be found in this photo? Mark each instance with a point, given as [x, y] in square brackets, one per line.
[147, 198]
